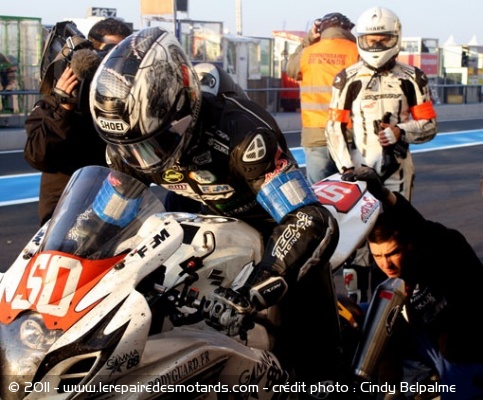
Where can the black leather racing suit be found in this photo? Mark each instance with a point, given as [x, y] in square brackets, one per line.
[237, 147]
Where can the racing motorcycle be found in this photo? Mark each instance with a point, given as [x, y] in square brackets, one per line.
[107, 296]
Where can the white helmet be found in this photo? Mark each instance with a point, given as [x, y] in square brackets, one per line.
[378, 21]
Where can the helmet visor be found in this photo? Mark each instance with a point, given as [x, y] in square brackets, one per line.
[158, 152]
[147, 156]
[377, 42]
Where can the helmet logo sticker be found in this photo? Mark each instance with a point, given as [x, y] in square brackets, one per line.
[172, 176]
[204, 158]
[186, 75]
[256, 150]
[375, 28]
[202, 176]
[116, 126]
[220, 147]
[216, 188]
[180, 104]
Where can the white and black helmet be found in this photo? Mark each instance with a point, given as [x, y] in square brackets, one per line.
[215, 81]
[145, 99]
[381, 22]
[335, 19]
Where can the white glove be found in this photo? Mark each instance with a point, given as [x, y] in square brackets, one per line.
[389, 134]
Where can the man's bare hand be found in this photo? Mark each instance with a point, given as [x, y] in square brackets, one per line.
[315, 31]
[66, 85]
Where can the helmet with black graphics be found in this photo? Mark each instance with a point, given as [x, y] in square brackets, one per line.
[145, 99]
[335, 19]
[378, 32]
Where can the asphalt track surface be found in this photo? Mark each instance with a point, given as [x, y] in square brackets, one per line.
[447, 190]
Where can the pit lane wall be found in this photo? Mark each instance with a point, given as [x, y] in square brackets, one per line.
[13, 138]
[447, 112]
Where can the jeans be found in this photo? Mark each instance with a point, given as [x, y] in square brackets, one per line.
[466, 378]
[319, 164]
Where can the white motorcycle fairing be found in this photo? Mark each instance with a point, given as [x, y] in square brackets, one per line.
[355, 209]
[92, 304]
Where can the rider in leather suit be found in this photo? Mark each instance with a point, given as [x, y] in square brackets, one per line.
[216, 146]
[376, 85]
[385, 105]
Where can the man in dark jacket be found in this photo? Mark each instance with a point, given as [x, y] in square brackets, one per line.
[443, 278]
[61, 137]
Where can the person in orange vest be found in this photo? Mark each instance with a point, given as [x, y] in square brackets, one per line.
[328, 48]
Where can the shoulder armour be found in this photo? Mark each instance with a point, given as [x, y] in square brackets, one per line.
[421, 78]
[347, 74]
[340, 80]
[414, 73]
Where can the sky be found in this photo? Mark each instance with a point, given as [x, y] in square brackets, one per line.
[437, 19]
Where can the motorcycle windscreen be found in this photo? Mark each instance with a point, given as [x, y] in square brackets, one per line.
[98, 212]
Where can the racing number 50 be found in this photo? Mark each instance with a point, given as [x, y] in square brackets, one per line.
[51, 284]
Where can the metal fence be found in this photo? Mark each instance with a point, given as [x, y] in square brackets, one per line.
[457, 94]
[441, 94]
[18, 103]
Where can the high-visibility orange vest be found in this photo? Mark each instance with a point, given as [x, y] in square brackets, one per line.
[319, 64]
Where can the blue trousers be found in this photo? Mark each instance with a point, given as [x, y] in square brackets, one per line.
[319, 164]
[467, 379]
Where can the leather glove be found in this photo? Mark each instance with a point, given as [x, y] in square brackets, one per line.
[369, 175]
[347, 173]
[228, 311]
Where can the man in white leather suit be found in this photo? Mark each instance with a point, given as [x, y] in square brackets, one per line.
[383, 106]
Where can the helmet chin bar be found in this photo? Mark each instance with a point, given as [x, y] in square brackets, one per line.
[387, 66]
